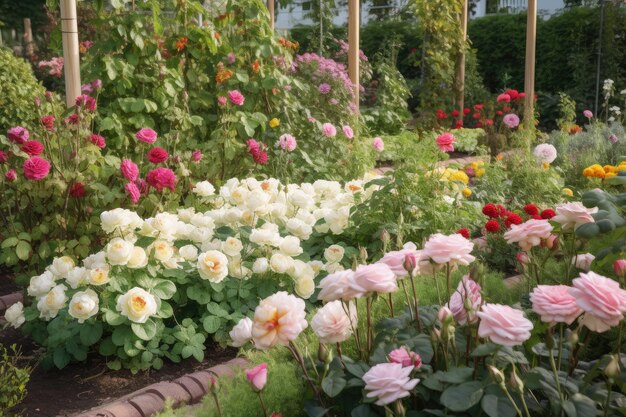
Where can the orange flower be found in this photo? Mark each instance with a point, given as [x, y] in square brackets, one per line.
[573, 129]
[256, 66]
[216, 35]
[223, 75]
[181, 43]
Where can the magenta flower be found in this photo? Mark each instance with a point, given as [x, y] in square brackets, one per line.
[133, 192]
[11, 175]
[97, 140]
[32, 148]
[324, 88]
[378, 144]
[161, 178]
[236, 97]
[36, 168]
[18, 134]
[196, 156]
[329, 130]
[511, 120]
[445, 142]
[348, 132]
[129, 170]
[257, 376]
[146, 135]
[157, 155]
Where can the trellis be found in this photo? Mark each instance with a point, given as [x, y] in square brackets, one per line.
[69, 30]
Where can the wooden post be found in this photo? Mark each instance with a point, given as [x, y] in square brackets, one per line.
[353, 47]
[270, 7]
[28, 38]
[459, 80]
[71, 58]
[529, 78]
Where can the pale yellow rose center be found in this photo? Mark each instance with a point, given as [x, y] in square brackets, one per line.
[137, 303]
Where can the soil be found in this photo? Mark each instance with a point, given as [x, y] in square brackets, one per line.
[7, 284]
[81, 386]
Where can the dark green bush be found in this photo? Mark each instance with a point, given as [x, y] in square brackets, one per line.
[19, 87]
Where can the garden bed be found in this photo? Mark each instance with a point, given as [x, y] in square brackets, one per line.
[82, 386]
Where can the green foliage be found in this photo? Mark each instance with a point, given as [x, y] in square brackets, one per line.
[567, 110]
[19, 87]
[13, 380]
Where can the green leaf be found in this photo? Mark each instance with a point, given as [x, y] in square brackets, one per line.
[9, 242]
[334, 383]
[484, 350]
[90, 333]
[211, 324]
[61, 358]
[462, 397]
[455, 376]
[113, 318]
[22, 250]
[164, 289]
[497, 406]
[145, 331]
[363, 410]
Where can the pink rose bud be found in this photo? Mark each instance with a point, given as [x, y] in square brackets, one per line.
[214, 386]
[89, 209]
[522, 258]
[619, 266]
[410, 262]
[405, 357]
[552, 242]
[257, 376]
[11, 175]
[445, 315]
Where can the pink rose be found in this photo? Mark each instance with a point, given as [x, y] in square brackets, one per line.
[133, 192]
[278, 320]
[32, 148]
[511, 120]
[236, 97]
[373, 278]
[18, 134]
[405, 357]
[396, 260]
[329, 130]
[453, 249]
[503, 325]
[129, 170]
[98, 140]
[555, 304]
[332, 324]
[287, 142]
[11, 175]
[48, 122]
[619, 266]
[196, 155]
[36, 168]
[503, 98]
[86, 101]
[583, 261]
[257, 376]
[146, 135]
[378, 144]
[161, 178]
[348, 132]
[602, 300]
[157, 155]
[529, 234]
[445, 142]
[336, 286]
[389, 382]
[572, 215]
[465, 301]
[588, 114]
[221, 101]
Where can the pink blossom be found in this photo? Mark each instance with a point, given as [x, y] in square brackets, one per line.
[231, 58]
[36, 168]
[161, 178]
[221, 101]
[332, 324]
[336, 286]
[157, 155]
[377, 278]
[554, 304]
[329, 130]
[11, 175]
[445, 142]
[389, 382]
[98, 140]
[48, 122]
[86, 101]
[236, 97]
[511, 120]
[287, 142]
[129, 170]
[529, 233]
[32, 148]
[588, 114]
[18, 134]
[583, 261]
[55, 65]
[613, 139]
[453, 249]
[465, 301]
[4, 157]
[378, 144]
[196, 155]
[503, 98]
[572, 215]
[396, 260]
[619, 267]
[257, 376]
[405, 357]
[146, 135]
[348, 132]
[503, 325]
[324, 88]
[602, 300]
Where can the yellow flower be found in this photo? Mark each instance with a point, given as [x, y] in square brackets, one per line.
[610, 174]
[546, 165]
[274, 122]
[459, 176]
[480, 172]
[568, 192]
[474, 165]
[467, 192]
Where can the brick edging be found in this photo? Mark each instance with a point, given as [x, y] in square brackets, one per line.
[185, 390]
[8, 300]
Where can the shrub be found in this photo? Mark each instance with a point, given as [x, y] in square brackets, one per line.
[19, 87]
[13, 380]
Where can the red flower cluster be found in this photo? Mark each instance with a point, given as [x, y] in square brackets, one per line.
[258, 151]
[500, 218]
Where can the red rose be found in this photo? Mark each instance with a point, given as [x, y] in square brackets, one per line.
[455, 113]
[32, 148]
[161, 178]
[478, 106]
[492, 226]
[466, 111]
[476, 115]
[464, 232]
[77, 190]
[458, 124]
[490, 210]
[48, 122]
[4, 157]
[157, 155]
[513, 218]
[531, 209]
[501, 210]
[548, 214]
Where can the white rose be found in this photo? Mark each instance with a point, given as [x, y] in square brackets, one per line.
[213, 266]
[200, 220]
[241, 333]
[237, 270]
[232, 215]
[186, 213]
[119, 251]
[97, 260]
[331, 268]
[317, 266]
[583, 261]
[189, 253]
[301, 270]
[260, 266]
[299, 228]
[50, 304]
[83, 305]
[305, 287]
[238, 195]
[121, 220]
[165, 224]
[232, 246]
[331, 324]
[257, 200]
[334, 253]
[163, 250]
[137, 304]
[201, 234]
[265, 237]
[300, 199]
[61, 266]
[14, 315]
[280, 263]
[77, 277]
[138, 258]
[99, 276]
[290, 246]
[40, 285]
[204, 189]
[277, 210]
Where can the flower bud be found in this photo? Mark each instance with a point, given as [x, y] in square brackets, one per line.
[400, 411]
[324, 355]
[363, 254]
[385, 237]
[552, 242]
[573, 338]
[410, 262]
[619, 266]
[214, 386]
[515, 381]
[496, 374]
[612, 370]
[522, 258]
[445, 315]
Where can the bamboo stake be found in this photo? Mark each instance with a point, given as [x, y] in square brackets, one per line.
[28, 38]
[270, 7]
[71, 58]
[529, 79]
[460, 64]
[353, 47]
